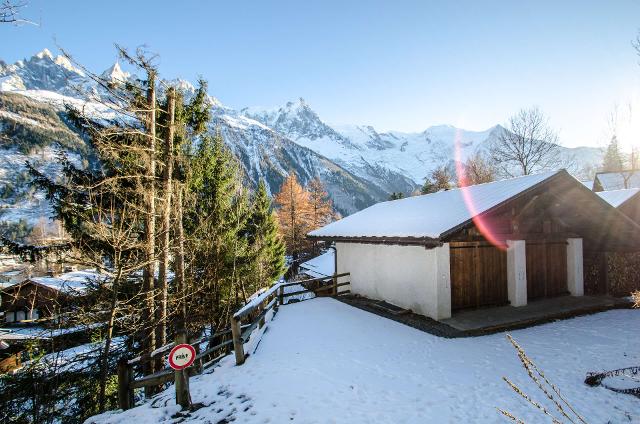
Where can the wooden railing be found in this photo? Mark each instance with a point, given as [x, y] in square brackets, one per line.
[253, 314]
[219, 346]
[256, 310]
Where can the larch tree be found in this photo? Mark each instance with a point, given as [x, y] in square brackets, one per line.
[294, 212]
[321, 209]
[321, 206]
[478, 170]
[527, 145]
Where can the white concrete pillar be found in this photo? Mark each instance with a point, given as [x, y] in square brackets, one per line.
[575, 276]
[517, 272]
[443, 282]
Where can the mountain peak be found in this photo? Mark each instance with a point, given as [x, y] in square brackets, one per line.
[115, 73]
[44, 53]
[43, 72]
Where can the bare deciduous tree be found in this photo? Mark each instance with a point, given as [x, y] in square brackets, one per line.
[440, 179]
[478, 170]
[10, 12]
[527, 145]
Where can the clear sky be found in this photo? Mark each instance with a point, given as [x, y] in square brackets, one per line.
[402, 65]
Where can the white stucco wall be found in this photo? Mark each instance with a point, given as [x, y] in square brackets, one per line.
[411, 277]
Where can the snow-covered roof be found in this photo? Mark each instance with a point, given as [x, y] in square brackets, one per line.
[430, 215]
[7, 334]
[617, 197]
[320, 266]
[618, 180]
[588, 184]
[75, 281]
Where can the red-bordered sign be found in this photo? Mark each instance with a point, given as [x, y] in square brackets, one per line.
[181, 356]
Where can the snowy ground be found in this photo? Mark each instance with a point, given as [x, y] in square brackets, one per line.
[322, 361]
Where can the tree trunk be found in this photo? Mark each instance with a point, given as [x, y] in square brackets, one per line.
[179, 263]
[161, 287]
[104, 366]
[150, 228]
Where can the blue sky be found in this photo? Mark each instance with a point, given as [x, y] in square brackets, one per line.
[402, 65]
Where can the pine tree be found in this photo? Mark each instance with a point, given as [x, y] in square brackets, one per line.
[398, 195]
[428, 186]
[109, 210]
[613, 161]
[213, 220]
[265, 245]
[190, 123]
[108, 214]
[294, 211]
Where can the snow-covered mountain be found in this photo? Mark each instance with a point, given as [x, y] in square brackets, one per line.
[358, 164]
[390, 158]
[33, 94]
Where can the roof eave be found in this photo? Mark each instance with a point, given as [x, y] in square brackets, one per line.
[404, 241]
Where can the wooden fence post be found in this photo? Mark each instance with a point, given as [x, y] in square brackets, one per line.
[262, 320]
[183, 397]
[335, 285]
[238, 346]
[281, 295]
[125, 392]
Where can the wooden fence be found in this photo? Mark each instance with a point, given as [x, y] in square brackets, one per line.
[253, 314]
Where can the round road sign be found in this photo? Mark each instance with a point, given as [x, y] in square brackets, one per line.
[181, 356]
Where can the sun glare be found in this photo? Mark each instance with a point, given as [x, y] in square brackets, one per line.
[482, 224]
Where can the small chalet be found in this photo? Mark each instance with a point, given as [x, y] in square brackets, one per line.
[500, 243]
[618, 180]
[38, 297]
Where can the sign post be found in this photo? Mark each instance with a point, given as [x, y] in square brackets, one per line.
[181, 357]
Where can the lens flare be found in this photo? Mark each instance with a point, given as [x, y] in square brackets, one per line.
[482, 223]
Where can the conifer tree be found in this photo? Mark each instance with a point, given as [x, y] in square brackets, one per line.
[439, 179]
[613, 161]
[266, 248]
[101, 210]
[213, 220]
[428, 187]
[107, 209]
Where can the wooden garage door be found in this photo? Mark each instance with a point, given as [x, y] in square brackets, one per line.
[546, 269]
[478, 275]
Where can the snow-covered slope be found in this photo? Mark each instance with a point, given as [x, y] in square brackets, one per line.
[323, 361]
